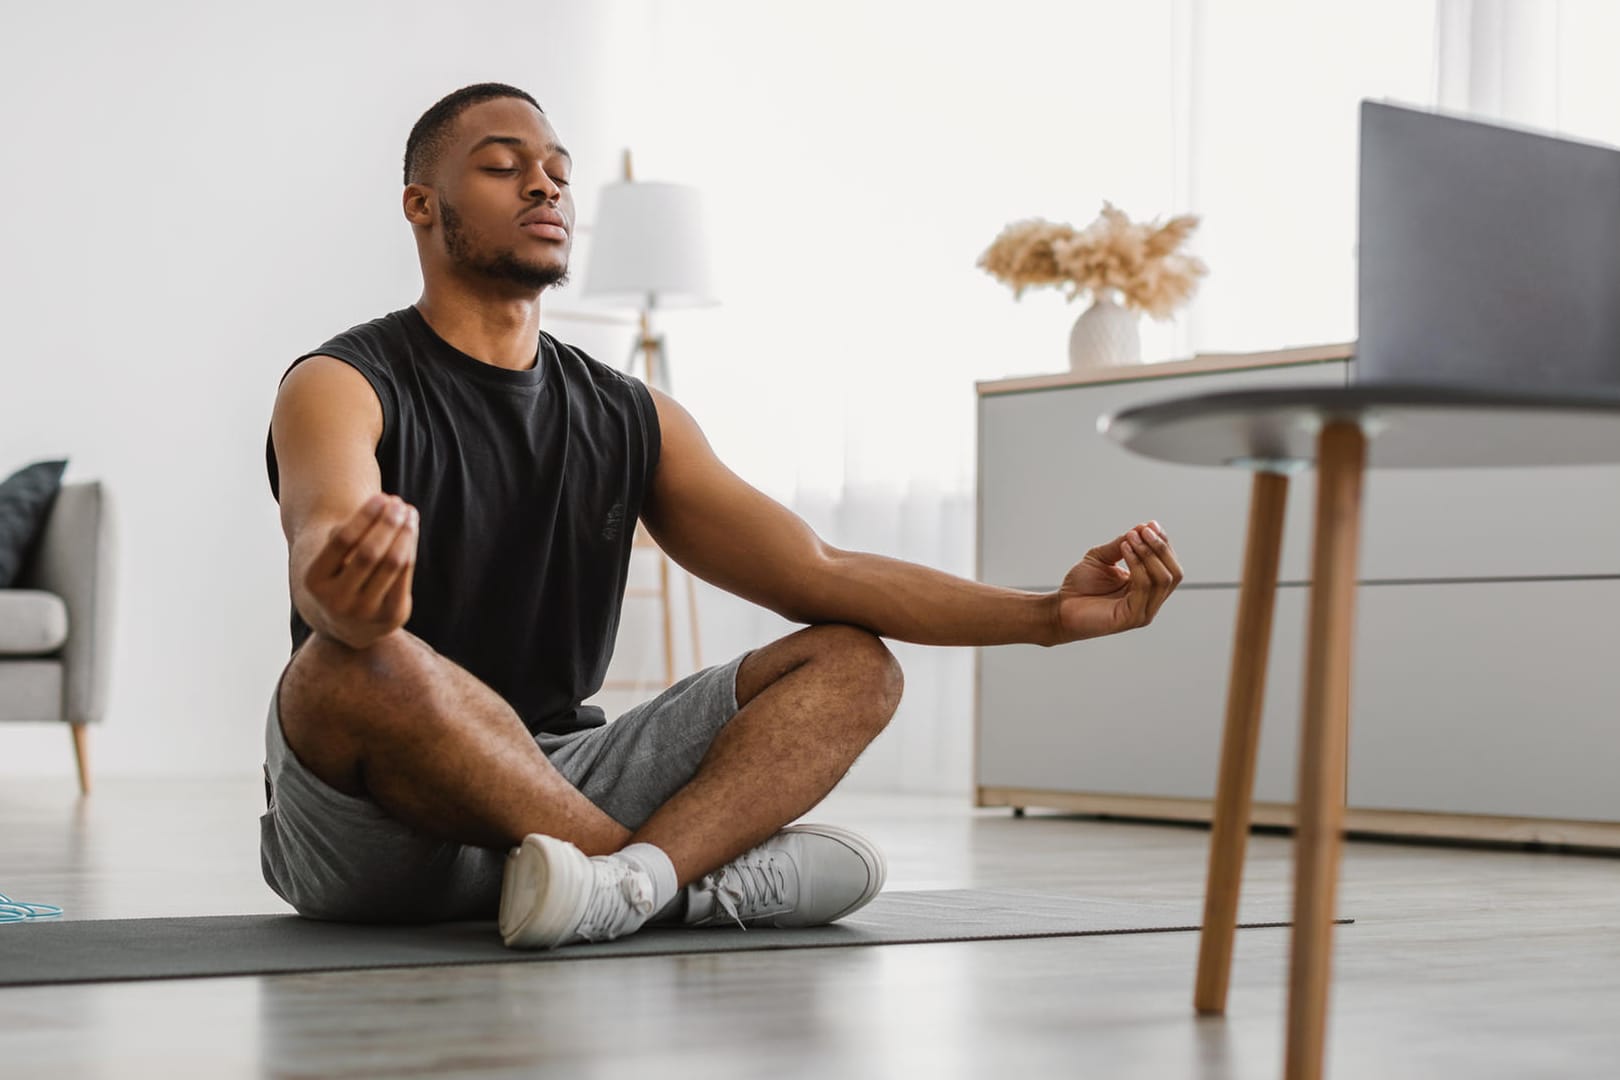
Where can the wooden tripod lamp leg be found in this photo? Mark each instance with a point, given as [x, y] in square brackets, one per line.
[1240, 744]
[668, 618]
[692, 618]
[1324, 743]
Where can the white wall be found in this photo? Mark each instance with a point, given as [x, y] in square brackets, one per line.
[197, 193]
[203, 191]
[859, 157]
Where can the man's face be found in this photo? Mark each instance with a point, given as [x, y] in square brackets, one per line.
[506, 210]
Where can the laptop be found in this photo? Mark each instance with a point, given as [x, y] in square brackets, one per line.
[1489, 257]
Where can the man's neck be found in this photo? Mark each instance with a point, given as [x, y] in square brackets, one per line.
[502, 333]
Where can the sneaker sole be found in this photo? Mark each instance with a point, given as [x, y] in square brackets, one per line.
[545, 888]
[877, 866]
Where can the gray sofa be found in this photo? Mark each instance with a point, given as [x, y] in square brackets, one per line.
[56, 623]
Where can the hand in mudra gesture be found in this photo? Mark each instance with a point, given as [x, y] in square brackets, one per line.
[1100, 597]
[363, 574]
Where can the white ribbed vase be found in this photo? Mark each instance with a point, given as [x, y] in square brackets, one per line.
[1105, 335]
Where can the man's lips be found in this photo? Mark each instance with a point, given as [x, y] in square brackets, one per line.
[545, 230]
[546, 224]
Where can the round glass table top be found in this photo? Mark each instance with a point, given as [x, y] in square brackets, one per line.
[1408, 426]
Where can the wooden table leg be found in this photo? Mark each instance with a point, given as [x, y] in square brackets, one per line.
[1240, 744]
[1323, 745]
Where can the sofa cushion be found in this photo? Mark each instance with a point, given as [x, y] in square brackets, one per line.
[25, 502]
[32, 623]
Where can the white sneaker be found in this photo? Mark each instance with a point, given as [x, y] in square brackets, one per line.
[805, 875]
[553, 894]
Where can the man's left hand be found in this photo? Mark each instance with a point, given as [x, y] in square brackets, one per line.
[1099, 597]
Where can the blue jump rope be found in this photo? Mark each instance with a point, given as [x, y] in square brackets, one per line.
[21, 910]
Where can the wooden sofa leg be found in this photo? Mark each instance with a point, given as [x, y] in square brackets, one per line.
[80, 751]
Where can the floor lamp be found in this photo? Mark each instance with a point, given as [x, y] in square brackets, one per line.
[649, 252]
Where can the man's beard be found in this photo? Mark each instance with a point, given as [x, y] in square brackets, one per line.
[501, 266]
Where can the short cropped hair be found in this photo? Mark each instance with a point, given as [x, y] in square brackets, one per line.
[430, 136]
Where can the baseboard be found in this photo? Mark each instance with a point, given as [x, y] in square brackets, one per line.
[1412, 824]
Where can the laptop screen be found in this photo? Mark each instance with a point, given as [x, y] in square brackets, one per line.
[1488, 256]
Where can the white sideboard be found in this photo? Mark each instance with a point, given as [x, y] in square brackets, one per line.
[1485, 701]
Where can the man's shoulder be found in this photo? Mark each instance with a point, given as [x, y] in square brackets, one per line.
[373, 347]
[374, 340]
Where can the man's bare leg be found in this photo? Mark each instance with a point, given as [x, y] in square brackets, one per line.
[443, 753]
[809, 704]
[433, 746]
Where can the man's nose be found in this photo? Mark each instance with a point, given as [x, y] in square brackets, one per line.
[544, 187]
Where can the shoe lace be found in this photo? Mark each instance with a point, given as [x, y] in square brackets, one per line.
[750, 885]
[620, 902]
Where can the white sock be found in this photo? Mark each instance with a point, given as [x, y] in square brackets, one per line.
[652, 859]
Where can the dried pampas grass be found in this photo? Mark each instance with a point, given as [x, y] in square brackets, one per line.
[1141, 259]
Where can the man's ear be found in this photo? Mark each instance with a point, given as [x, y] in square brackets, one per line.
[419, 204]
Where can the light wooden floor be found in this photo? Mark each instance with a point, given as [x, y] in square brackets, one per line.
[1462, 963]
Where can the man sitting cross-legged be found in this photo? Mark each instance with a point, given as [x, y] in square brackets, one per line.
[459, 492]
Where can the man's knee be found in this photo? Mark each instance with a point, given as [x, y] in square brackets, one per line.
[332, 698]
[343, 684]
[852, 666]
[860, 660]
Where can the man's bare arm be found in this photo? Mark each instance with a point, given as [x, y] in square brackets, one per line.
[351, 549]
[725, 531]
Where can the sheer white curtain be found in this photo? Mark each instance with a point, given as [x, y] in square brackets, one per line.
[857, 158]
[1548, 64]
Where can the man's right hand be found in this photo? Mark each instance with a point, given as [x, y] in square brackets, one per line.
[362, 576]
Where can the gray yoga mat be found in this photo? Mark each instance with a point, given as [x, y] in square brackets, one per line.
[100, 950]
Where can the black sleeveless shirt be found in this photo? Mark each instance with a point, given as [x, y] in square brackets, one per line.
[529, 485]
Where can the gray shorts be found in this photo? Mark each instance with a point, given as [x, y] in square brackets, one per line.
[336, 856]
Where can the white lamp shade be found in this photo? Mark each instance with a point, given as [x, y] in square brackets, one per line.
[649, 246]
